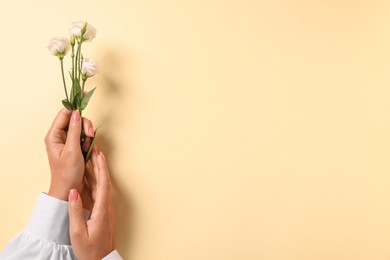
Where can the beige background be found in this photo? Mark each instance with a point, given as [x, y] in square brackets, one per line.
[234, 129]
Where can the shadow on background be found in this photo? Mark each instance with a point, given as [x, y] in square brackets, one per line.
[114, 70]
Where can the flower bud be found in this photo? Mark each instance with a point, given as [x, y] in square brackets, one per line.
[72, 40]
[84, 29]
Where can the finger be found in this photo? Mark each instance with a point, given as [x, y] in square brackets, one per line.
[91, 179]
[86, 196]
[87, 144]
[61, 121]
[103, 169]
[103, 192]
[112, 218]
[112, 214]
[87, 185]
[88, 127]
[74, 132]
[56, 133]
[77, 226]
[94, 160]
[88, 133]
[89, 173]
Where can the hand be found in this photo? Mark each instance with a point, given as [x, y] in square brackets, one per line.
[88, 193]
[93, 239]
[64, 152]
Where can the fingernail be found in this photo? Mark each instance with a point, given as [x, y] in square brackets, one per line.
[86, 146]
[102, 155]
[95, 150]
[73, 195]
[76, 116]
[91, 132]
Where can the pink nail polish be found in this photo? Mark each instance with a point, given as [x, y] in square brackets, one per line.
[76, 116]
[86, 146]
[73, 195]
[91, 132]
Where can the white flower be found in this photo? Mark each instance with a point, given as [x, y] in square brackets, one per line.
[88, 68]
[59, 46]
[76, 29]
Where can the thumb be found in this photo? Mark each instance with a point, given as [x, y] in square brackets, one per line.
[77, 225]
[74, 131]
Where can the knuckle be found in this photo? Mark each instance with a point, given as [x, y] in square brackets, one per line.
[70, 150]
[47, 138]
[67, 150]
[76, 211]
[76, 232]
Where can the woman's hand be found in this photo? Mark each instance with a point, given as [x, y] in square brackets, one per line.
[93, 239]
[64, 152]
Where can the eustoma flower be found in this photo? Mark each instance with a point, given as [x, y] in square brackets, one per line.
[81, 68]
[88, 68]
[82, 31]
[59, 46]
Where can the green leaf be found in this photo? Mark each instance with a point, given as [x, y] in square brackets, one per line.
[75, 93]
[86, 98]
[91, 147]
[67, 105]
[76, 103]
[71, 75]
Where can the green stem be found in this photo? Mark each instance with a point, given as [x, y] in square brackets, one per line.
[78, 68]
[82, 94]
[81, 63]
[63, 78]
[82, 90]
[73, 68]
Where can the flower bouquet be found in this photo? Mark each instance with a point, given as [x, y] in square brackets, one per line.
[81, 69]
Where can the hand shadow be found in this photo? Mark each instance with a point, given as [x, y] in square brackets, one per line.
[109, 110]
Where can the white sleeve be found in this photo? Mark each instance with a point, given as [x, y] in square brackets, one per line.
[47, 234]
[114, 255]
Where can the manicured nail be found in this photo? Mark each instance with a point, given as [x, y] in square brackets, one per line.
[102, 155]
[73, 195]
[76, 116]
[91, 132]
[86, 146]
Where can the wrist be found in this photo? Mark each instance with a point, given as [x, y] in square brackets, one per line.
[61, 195]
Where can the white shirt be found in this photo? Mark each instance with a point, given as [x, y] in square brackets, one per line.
[47, 234]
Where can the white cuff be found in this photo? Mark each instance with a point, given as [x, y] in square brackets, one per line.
[50, 220]
[114, 255]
